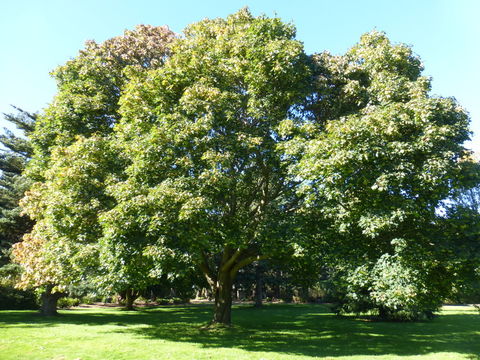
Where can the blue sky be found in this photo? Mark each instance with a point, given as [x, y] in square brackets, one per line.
[36, 36]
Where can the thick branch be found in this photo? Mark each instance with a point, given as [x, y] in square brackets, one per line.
[203, 265]
[227, 253]
[229, 263]
[245, 262]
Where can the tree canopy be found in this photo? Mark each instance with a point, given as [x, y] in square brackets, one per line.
[230, 145]
[206, 177]
[70, 163]
[378, 159]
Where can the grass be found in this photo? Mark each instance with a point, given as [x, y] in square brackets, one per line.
[272, 333]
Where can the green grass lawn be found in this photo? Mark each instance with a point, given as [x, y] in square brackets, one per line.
[273, 332]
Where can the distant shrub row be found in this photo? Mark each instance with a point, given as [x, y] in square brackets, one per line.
[14, 299]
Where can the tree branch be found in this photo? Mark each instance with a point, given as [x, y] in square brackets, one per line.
[203, 265]
[245, 262]
[229, 263]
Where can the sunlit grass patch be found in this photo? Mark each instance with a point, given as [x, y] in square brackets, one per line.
[273, 332]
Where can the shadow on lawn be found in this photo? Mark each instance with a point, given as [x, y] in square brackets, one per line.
[290, 329]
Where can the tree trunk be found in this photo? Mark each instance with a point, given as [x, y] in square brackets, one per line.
[223, 299]
[383, 313]
[278, 279]
[221, 282]
[129, 299]
[49, 302]
[303, 294]
[258, 286]
[234, 293]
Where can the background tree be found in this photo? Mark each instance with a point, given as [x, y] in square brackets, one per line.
[69, 139]
[14, 156]
[377, 159]
[461, 224]
[468, 196]
[90, 85]
[62, 248]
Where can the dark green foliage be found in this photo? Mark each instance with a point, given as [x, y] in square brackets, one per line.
[14, 156]
[296, 280]
[14, 299]
[462, 221]
[10, 297]
[180, 286]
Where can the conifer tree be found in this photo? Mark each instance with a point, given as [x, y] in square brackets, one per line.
[14, 156]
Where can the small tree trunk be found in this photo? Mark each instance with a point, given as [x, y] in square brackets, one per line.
[383, 313]
[129, 299]
[49, 302]
[303, 294]
[223, 299]
[258, 286]
[234, 293]
[276, 291]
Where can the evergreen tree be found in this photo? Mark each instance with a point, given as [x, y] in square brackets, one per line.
[14, 156]
[15, 152]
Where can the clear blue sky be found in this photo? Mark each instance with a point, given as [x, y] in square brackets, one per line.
[36, 36]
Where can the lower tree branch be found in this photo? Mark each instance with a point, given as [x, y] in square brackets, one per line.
[231, 261]
[203, 265]
[245, 262]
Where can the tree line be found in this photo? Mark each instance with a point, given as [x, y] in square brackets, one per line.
[165, 156]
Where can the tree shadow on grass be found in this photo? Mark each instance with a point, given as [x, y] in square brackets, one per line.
[101, 316]
[309, 330]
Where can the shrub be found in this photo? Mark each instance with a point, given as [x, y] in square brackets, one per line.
[14, 299]
[172, 301]
[67, 302]
[161, 301]
[388, 290]
[142, 300]
[88, 299]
